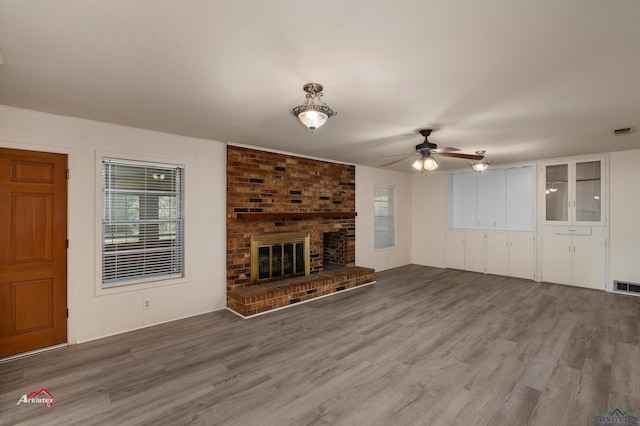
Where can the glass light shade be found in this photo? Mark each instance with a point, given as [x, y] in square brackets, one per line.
[417, 164]
[480, 167]
[312, 118]
[430, 164]
[310, 114]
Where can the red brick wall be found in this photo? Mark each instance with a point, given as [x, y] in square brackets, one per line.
[266, 182]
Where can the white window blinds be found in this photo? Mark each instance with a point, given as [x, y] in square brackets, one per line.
[142, 222]
[384, 209]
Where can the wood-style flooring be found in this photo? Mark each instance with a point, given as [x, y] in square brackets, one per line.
[423, 346]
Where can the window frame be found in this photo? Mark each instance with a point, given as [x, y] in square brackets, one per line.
[392, 208]
[141, 280]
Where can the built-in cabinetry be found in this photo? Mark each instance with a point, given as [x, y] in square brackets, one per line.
[491, 226]
[574, 256]
[465, 250]
[500, 199]
[491, 221]
[573, 231]
[509, 253]
[574, 192]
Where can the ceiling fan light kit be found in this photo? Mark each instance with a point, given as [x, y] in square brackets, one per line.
[425, 163]
[480, 166]
[426, 150]
[310, 114]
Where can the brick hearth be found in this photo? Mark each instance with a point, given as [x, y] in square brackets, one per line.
[256, 299]
[273, 193]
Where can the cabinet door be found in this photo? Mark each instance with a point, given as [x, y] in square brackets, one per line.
[463, 200]
[455, 249]
[589, 262]
[589, 192]
[522, 255]
[491, 213]
[519, 199]
[556, 258]
[497, 253]
[474, 251]
[556, 200]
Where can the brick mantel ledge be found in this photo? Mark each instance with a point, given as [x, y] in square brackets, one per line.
[294, 215]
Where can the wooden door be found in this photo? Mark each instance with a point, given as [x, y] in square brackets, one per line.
[33, 250]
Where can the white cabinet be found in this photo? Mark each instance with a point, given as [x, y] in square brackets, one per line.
[494, 252]
[455, 249]
[491, 203]
[519, 199]
[497, 248]
[474, 251]
[574, 192]
[573, 228]
[511, 254]
[465, 250]
[462, 200]
[498, 199]
[556, 258]
[574, 256]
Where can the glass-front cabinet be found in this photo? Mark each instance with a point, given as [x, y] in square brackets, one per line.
[574, 192]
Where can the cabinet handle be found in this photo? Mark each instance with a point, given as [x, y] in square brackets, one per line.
[569, 249]
[574, 249]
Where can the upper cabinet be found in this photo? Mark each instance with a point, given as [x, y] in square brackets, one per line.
[574, 192]
[497, 199]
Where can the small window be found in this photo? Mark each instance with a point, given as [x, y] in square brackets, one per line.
[142, 222]
[384, 217]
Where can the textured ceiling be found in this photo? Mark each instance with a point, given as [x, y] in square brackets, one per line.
[522, 80]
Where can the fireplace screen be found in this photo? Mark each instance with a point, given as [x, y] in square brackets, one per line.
[275, 256]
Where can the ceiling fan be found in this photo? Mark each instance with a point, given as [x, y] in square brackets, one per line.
[426, 151]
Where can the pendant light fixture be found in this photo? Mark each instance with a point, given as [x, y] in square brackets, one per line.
[480, 166]
[311, 114]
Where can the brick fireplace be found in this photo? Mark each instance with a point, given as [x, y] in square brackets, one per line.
[270, 194]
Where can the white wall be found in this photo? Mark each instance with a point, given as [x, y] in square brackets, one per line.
[366, 179]
[420, 218]
[429, 218]
[624, 208]
[94, 313]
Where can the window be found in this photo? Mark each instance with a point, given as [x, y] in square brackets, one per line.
[384, 235]
[142, 222]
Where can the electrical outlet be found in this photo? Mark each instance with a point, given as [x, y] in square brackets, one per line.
[147, 304]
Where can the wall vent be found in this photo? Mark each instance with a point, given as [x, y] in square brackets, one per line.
[627, 287]
[623, 131]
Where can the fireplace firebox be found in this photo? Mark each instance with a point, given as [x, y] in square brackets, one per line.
[278, 256]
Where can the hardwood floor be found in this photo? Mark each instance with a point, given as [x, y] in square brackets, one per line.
[423, 346]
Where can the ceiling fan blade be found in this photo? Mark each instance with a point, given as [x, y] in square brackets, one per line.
[461, 155]
[445, 149]
[397, 161]
[396, 154]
